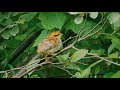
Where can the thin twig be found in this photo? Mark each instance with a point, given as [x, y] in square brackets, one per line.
[84, 37]
[98, 57]
[84, 30]
[26, 72]
[93, 28]
[23, 67]
[80, 32]
[8, 27]
[16, 23]
[64, 70]
[104, 59]
[102, 15]
[116, 30]
[70, 38]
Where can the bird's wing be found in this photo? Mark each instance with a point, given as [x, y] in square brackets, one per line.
[44, 46]
[56, 47]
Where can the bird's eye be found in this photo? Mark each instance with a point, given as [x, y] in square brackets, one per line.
[55, 35]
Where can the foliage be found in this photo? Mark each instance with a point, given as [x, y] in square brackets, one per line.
[91, 44]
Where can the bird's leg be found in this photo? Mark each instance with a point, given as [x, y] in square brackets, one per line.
[47, 59]
[52, 55]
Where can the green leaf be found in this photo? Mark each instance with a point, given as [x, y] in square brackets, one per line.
[12, 43]
[6, 34]
[78, 20]
[116, 43]
[88, 25]
[7, 22]
[95, 63]
[51, 20]
[98, 52]
[39, 25]
[1, 18]
[78, 55]
[97, 69]
[116, 25]
[73, 66]
[77, 75]
[73, 13]
[43, 34]
[70, 25]
[113, 17]
[116, 75]
[21, 21]
[5, 75]
[85, 73]
[93, 15]
[2, 53]
[114, 55]
[107, 36]
[108, 75]
[21, 37]
[63, 58]
[111, 48]
[15, 13]
[14, 31]
[35, 76]
[29, 16]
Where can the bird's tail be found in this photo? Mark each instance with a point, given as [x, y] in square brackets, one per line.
[21, 72]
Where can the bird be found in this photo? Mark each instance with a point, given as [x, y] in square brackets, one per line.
[51, 44]
[48, 46]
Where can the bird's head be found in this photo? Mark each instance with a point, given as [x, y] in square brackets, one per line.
[56, 34]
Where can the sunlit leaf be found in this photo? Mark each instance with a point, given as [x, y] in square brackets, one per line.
[78, 55]
[116, 43]
[63, 58]
[73, 66]
[98, 52]
[15, 13]
[6, 35]
[116, 25]
[116, 75]
[97, 69]
[77, 75]
[86, 73]
[14, 31]
[113, 17]
[114, 55]
[78, 20]
[111, 48]
[73, 13]
[21, 21]
[93, 15]
[51, 20]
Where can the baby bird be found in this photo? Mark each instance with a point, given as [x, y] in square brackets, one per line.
[51, 44]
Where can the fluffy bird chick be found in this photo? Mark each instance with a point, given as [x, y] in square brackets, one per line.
[51, 44]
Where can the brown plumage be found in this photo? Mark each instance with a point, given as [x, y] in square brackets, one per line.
[51, 44]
